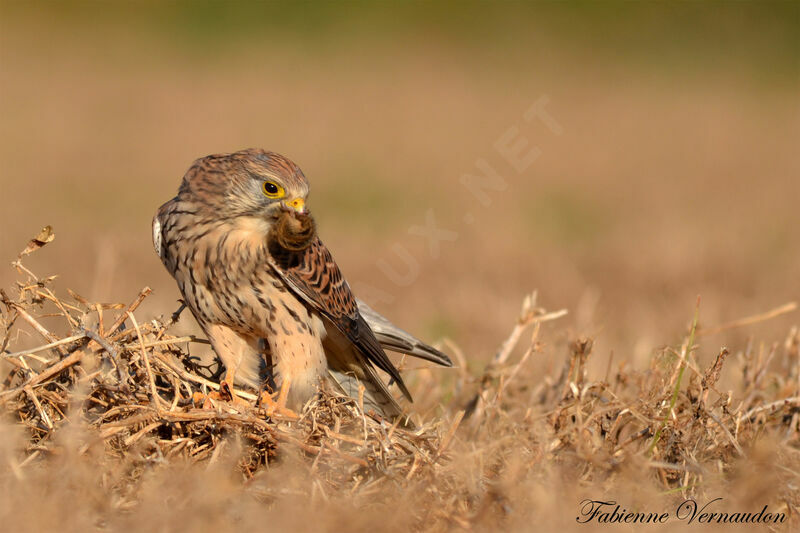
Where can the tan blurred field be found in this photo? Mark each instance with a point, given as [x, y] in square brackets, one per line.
[668, 170]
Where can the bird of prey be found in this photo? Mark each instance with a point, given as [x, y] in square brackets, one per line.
[244, 250]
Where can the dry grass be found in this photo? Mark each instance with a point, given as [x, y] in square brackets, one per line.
[100, 432]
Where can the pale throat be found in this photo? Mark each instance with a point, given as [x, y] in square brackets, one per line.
[250, 231]
[252, 224]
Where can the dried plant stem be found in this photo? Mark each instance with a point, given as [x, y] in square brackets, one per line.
[153, 390]
[44, 376]
[450, 433]
[685, 353]
[795, 400]
[508, 345]
[44, 347]
[727, 433]
[750, 320]
[521, 362]
[38, 327]
[45, 418]
[131, 308]
[201, 380]
[474, 408]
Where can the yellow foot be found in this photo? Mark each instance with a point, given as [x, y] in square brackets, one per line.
[278, 407]
[224, 395]
[203, 400]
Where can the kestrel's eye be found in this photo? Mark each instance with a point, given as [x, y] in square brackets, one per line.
[272, 190]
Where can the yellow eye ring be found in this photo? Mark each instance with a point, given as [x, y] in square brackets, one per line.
[272, 190]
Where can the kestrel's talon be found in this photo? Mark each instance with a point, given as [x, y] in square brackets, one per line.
[198, 399]
[225, 391]
[279, 406]
[223, 396]
[206, 401]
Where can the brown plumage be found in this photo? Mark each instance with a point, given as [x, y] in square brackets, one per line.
[245, 253]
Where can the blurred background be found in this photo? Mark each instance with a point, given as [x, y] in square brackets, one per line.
[662, 152]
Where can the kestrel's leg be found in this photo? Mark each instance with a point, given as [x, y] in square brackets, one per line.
[274, 402]
[239, 354]
[295, 343]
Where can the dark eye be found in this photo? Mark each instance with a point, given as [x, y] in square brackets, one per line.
[272, 190]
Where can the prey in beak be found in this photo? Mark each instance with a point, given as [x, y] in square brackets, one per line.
[294, 230]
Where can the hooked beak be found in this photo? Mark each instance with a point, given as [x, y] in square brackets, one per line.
[298, 204]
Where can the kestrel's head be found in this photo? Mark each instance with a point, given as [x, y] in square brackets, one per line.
[250, 182]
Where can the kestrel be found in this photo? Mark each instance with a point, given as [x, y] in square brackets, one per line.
[244, 250]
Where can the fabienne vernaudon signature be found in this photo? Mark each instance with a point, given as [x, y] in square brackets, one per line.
[688, 511]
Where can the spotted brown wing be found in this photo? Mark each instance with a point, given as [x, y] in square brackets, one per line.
[314, 276]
